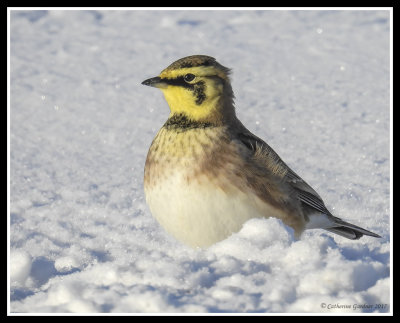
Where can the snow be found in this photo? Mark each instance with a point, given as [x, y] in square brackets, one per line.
[315, 84]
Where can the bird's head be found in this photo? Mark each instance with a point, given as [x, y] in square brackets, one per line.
[197, 87]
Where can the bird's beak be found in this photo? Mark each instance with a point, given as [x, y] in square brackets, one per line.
[155, 82]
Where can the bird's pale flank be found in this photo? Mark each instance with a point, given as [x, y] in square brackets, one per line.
[206, 174]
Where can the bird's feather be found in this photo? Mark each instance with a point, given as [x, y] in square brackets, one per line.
[313, 204]
[305, 193]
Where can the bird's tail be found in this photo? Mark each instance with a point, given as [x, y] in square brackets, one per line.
[348, 230]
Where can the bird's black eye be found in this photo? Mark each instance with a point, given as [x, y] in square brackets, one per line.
[189, 77]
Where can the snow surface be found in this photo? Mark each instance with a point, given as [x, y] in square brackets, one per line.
[314, 84]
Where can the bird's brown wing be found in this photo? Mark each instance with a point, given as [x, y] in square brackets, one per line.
[305, 193]
[311, 201]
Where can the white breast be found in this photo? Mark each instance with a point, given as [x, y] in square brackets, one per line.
[200, 213]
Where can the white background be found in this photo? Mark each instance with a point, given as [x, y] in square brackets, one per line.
[314, 84]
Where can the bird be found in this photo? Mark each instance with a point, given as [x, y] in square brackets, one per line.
[206, 174]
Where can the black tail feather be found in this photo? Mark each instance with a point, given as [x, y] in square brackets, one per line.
[350, 231]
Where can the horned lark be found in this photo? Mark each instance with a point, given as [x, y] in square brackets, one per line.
[206, 174]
